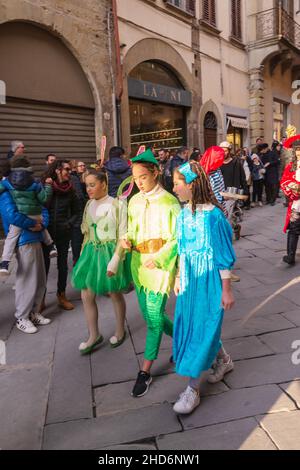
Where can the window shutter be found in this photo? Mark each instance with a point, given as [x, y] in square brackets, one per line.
[191, 6]
[209, 11]
[236, 14]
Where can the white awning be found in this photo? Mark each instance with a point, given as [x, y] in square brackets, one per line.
[240, 122]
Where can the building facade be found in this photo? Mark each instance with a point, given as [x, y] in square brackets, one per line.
[201, 71]
[57, 63]
[163, 73]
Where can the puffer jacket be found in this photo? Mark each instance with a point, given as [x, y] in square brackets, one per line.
[28, 199]
[63, 212]
[10, 216]
[117, 170]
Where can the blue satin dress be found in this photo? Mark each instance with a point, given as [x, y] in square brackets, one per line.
[205, 248]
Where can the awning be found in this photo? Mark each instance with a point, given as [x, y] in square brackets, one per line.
[240, 122]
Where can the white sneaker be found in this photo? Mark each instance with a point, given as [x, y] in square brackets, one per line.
[187, 402]
[26, 326]
[38, 319]
[219, 370]
[260, 204]
[253, 204]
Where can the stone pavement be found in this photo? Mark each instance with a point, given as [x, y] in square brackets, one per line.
[52, 398]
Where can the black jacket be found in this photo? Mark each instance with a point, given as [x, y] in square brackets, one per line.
[63, 213]
[272, 171]
[234, 175]
[80, 190]
[117, 171]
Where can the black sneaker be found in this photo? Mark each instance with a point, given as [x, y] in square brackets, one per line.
[141, 385]
[4, 265]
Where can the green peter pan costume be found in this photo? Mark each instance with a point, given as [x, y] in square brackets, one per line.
[152, 231]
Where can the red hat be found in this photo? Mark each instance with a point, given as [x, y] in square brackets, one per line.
[292, 142]
[212, 159]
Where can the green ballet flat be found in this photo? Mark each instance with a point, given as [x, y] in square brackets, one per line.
[115, 344]
[88, 349]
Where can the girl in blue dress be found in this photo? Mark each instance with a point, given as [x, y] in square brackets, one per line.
[203, 282]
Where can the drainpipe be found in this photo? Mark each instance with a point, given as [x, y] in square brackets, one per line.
[119, 78]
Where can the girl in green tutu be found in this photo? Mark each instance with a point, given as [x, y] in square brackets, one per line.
[102, 267]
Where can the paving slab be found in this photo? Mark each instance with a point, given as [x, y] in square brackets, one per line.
[238, 404]
[292, 294]
[283, 428]
[265, 370]
[262, 290]
[7, 318]
[293, 316]
[110, 430]
[281, 342]
[243, 307]
[243, 434]
[111, 365]
[166, 388]
[293, 390]
[70, 390]
[246, 348]
[30, 349]
[255, 326]
[23, 406]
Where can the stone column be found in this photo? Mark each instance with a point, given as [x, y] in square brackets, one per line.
[256, 106]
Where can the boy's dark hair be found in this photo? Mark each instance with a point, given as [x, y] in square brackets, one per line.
[116, 152]
[182, 150]
[50, 155]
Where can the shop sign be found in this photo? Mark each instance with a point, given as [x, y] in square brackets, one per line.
[164, 94]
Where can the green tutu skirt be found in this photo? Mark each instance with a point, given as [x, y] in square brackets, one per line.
[90, 270]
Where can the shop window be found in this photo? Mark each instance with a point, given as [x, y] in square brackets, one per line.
[156, 125]
[280, 110]
[235, 137]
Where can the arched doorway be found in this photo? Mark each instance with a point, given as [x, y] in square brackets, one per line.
[210, 130]
[49, 105]
[157, 107]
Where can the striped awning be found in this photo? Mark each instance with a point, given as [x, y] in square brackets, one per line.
[241, 122]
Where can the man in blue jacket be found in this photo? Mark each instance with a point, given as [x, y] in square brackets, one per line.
[31, 275]
[117, 170]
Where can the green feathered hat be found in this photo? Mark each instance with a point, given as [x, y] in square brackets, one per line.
[145, 157]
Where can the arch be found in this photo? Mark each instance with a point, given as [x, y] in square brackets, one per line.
[155, 49]
[48, 70]
[84, 47]
[159, 51]
[210, 107]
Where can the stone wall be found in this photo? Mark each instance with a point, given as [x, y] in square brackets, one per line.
[83, 26]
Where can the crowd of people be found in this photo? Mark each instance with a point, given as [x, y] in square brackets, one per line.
[172, 229]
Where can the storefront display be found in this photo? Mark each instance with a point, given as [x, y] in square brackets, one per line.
[158, 104]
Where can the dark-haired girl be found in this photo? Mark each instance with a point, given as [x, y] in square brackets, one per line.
[102, 268]
[203, 283]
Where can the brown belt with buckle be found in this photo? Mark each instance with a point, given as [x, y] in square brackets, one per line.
[150, 246]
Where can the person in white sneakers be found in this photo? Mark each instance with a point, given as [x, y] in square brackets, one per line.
[203, 284]
[30, 275]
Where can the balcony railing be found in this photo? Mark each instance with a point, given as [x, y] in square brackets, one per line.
[277, 23]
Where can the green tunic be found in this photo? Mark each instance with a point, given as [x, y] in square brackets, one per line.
[153, 216]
